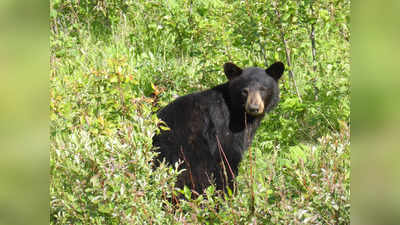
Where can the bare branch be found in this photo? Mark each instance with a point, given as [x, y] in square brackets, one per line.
[313, 52]
[287, 50]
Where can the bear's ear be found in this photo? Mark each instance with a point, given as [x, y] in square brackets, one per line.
[276, 70]
[231, 70]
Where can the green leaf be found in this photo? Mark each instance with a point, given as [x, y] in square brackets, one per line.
[164, 128]
[114, 79]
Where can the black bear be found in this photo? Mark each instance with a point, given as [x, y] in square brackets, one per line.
[210, 130]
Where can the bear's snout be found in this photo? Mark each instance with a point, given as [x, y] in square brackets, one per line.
[253, 108]
[254, 105]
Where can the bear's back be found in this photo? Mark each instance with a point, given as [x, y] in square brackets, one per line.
[194, 121]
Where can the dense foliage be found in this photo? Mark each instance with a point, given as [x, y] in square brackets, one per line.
[114, 63]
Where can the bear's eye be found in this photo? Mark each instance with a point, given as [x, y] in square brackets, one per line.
[245, 92]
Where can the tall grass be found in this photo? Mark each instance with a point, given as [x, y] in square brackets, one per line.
[115, 63]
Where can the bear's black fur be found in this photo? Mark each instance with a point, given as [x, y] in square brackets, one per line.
[210, 130]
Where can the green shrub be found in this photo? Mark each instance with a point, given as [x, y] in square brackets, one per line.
[115, 63]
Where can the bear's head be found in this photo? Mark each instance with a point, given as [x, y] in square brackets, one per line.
[254, 90]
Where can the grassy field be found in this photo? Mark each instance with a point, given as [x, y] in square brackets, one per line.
[115, 63]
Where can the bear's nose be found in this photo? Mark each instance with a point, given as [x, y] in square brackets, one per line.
[252, 108]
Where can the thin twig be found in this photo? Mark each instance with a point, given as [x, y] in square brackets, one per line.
[251, 167]
[121, 94]
[188, 166]
[223, 173]
[226, 160]
[313, 52]
[287, 51]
